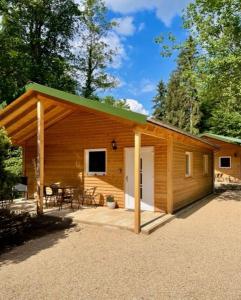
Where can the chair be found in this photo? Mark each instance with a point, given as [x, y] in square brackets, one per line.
[78, 196]
[49, 195]
[65, 195]
[21, 188]
[89, 196]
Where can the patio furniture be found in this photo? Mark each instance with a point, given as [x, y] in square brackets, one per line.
[78, 196]
[20, 188]
[89, 196]
[64, 195]
[49, 195]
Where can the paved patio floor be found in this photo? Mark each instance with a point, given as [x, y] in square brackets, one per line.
[102, 216]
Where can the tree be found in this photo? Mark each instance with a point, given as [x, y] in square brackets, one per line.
[35, 40]
[225, 122]
[216, 27]
[95, 55]
[110, 100]
[180, 104]
[6, 177]
[159, 101]
[13, 161]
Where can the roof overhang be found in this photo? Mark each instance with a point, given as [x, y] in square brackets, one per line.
[20, 117]
[181, 132]
[225, 139]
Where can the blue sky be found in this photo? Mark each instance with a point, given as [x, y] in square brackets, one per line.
[138, 64]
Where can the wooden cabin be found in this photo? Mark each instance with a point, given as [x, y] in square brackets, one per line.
[145, 164]
[227, 159]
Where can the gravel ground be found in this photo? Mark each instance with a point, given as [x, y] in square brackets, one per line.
[196, 256]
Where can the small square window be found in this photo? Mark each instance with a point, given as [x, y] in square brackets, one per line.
[96, 162]
[188, 162]
[225, 162]
[205, 164]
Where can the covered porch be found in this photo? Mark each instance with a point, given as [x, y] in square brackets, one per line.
[55, 129]
[119, 218]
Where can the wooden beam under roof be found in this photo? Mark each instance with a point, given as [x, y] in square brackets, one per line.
[25, 121]
[50, 119]
[29, 125]
[9, 115]
[31, 128]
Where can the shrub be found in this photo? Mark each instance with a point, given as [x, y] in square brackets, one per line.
[7, 177]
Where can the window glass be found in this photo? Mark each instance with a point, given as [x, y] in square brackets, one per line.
[205, 164]
[188, 163]
[225, 162]
[96, 161]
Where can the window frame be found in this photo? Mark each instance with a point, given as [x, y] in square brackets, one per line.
[87, 172]
[205, 164]
[190, 171]
[219, 164]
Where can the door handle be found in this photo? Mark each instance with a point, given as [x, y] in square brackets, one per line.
[126, 178]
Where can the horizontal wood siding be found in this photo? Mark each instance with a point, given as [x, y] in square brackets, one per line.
[66, 141]
[189, 189]
[226, 149]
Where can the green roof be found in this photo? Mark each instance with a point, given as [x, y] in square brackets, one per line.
[95, 105]
[223, 138]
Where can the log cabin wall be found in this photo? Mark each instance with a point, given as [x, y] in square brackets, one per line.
[229, 175]
[66, 141]
[198, 185]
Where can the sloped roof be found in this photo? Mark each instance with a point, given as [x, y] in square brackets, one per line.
[20, 119]
[178, 130]
[102, 107]
[223, 138]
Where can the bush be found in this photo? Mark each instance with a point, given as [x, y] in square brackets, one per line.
[7, 177]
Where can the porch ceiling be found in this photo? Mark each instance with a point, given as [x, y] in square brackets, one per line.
[20, 117]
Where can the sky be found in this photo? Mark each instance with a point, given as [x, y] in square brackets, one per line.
[138, 64]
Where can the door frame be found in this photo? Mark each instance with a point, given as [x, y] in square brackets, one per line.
[143, 148]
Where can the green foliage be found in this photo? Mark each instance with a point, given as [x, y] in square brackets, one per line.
[13, 163]
[35, 40]
[7, 178]
[207, 81]
[110, 100]
[225, 122]
[159, 101]
[216, 26]
[180, 104]
[95, 55]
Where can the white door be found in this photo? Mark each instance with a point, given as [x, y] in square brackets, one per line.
[146, 178]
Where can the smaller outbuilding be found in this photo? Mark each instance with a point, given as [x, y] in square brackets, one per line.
[227, 160]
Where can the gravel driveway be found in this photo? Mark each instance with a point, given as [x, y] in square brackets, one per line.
[196, 256]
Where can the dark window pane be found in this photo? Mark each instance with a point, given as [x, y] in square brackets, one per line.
[187, 165]
[97, 161]
[225, 162]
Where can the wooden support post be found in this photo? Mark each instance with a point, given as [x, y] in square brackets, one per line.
[170, 157]
[40, 156]
[137, 154]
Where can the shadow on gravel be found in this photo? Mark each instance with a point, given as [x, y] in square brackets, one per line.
[194, 207]
[232, 195]
[17, 229]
